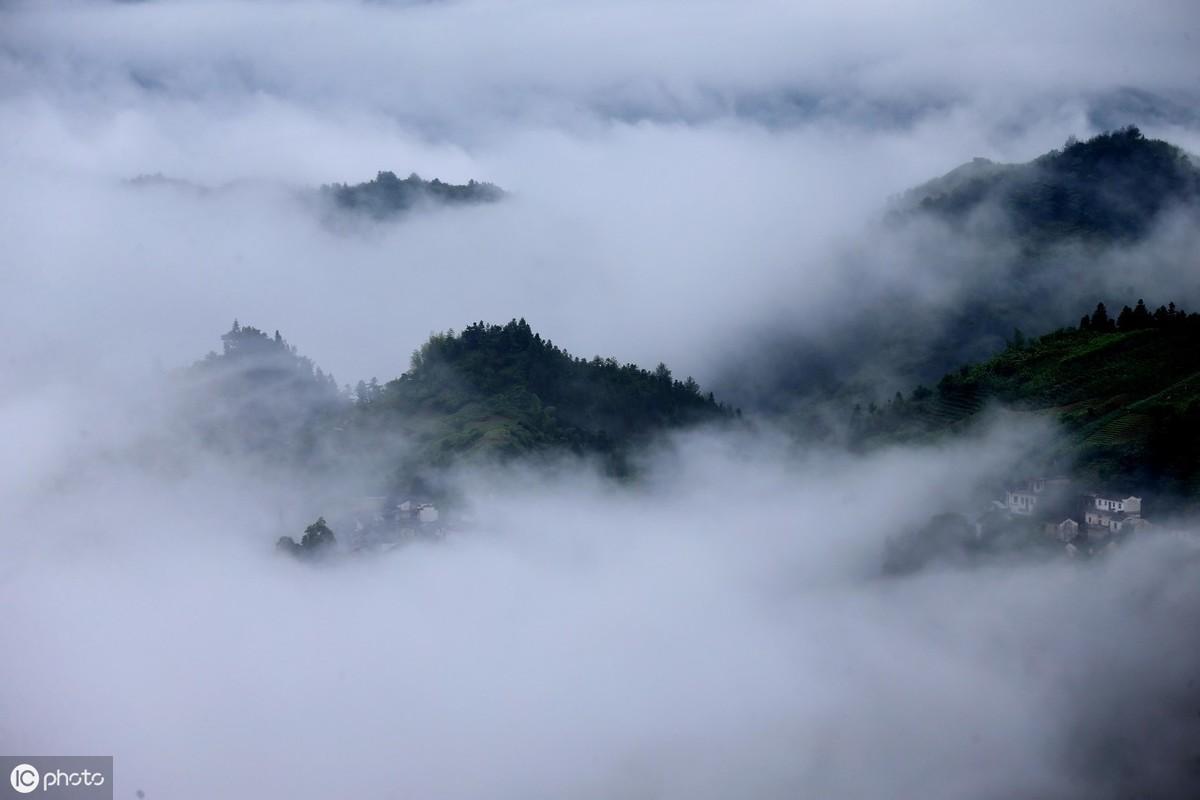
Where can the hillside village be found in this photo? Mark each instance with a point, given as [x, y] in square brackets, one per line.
[1078, 519]
[1048, 516]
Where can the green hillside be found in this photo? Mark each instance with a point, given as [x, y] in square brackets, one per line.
[500, 391]
[1014, 244]
[490, 393]
[1127, 394]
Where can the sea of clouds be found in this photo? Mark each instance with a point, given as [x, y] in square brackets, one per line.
[683, 177]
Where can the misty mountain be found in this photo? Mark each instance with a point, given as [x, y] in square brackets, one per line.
[495, 393]
[384, 197]
[520, 573]
[259, 396]
[964, 258]
[1113, 186]
[1125, 391]
[387, 196]
[505, 390]
[491, 392]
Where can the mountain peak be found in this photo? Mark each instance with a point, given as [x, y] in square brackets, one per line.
[1112, 186]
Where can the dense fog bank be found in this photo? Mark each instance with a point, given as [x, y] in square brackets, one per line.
[722, 626]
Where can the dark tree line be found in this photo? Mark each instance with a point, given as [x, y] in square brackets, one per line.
[1138, 318]
[513, 370]
[388, 195]
[317, 539]
[1125, 390]
[491, 391]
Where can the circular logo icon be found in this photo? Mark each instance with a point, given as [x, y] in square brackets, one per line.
[24, 778]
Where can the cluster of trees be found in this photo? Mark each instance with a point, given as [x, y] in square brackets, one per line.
[388, 195]
[506, 388]
[1001, 375]
[494, 358]
[1127, 392]
[491, 390]
[317, 540]
[256, 354]
[1138, 318]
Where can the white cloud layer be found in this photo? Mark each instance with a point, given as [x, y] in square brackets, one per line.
[723, 629]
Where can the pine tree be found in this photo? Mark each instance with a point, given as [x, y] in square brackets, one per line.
[1141, 315]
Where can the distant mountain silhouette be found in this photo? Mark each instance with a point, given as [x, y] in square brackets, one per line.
[387, 195]
[1113, 186]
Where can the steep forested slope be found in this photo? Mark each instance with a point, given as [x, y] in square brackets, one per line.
[1127, 394]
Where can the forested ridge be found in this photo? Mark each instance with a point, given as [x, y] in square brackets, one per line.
[490, 392]
[1113, 186]
[1124, 386]
[1125, 390]
[387, 195]
[504, 389]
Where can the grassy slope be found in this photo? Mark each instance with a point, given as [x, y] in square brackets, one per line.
[1130, 402]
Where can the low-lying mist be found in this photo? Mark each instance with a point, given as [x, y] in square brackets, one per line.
[721, 626]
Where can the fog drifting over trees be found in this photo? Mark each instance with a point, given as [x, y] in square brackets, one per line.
[701, 185]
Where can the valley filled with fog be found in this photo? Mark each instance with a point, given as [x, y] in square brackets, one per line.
[727, 509]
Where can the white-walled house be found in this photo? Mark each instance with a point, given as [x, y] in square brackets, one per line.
[1079, 520]
[1130, 505]
[1108, 514]
[1023, 498]
[1020, 501]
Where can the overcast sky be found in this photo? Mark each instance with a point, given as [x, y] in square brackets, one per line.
[685, 168]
